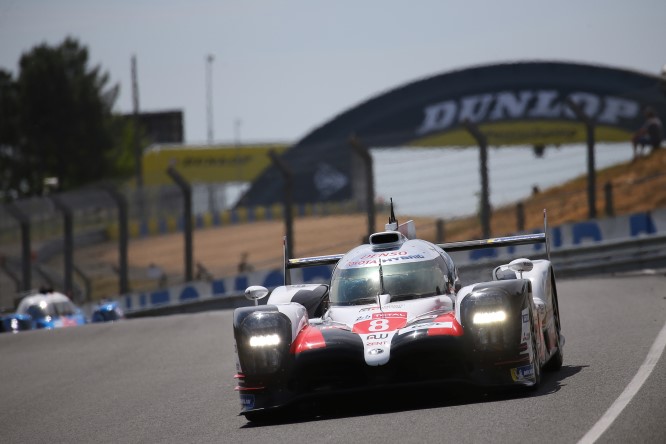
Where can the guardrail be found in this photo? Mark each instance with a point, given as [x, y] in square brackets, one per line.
[615, 256]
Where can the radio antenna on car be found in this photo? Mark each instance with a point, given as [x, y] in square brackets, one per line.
[392, 224]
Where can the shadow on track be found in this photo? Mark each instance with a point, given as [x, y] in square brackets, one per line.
[392, 400]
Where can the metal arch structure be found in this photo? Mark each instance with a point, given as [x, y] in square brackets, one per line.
[521, 103]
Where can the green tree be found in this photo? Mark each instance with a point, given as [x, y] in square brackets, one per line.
[9, 157]
[64, 122]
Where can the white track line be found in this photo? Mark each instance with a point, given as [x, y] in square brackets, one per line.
[629, 392]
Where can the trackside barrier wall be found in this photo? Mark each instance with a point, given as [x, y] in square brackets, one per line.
[202, 291]
[563, 238]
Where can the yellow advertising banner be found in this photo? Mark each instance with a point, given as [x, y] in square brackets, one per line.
[208, 164]
[524, 133]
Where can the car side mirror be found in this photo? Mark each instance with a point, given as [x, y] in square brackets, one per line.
[521, 265]
[256, 292]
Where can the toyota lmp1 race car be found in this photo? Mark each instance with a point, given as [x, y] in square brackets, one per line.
[395, 314]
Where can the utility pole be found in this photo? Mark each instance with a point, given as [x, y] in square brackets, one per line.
[209, 96]
[239, 164]
[137, 133]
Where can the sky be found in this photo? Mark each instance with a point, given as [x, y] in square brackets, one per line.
[283, 68]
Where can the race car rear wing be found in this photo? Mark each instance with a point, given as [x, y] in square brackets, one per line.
[507, 241]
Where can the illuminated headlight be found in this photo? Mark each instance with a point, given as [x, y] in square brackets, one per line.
[489, 317]
[264, 340]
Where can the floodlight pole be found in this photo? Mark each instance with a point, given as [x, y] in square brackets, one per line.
[365, 155]
[591, 170]
[483, 166]
[288, 177]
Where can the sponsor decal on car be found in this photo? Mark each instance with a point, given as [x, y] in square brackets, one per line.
[385, 307]
[386, 321]
[525, 328]
[524, 373]
[385, 254]
[247, 402]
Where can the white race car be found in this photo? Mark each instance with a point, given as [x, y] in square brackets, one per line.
[395, 313]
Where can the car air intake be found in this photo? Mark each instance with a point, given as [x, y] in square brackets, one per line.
[386, 239]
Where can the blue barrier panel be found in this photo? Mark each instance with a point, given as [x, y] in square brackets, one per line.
[189, 293]
[218, 287]
[128, 302]
[240, 283]
[556, 236]
[586, 230]
[273, 279]
[312, 273]
[159, 297]
[475, 255]
[641, 223]
[142, 300]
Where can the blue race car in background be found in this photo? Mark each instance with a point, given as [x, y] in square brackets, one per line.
[14, 323]
[108, 312]
[50, 309]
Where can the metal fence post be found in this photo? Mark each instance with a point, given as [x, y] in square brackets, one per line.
[365, 155]
[287, 175]
[520, 216]
[591, 169]
[26, 253]
[123, 237]
[68, 227]
[608, 193]
[186, 189]
[440, 233]
[483, 166]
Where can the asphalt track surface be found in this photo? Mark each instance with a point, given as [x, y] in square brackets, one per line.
[169, 379]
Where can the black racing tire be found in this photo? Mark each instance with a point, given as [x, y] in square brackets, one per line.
[555, 362]
[258, 416]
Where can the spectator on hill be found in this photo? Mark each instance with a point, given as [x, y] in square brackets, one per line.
[648, 135]
[243, 265]
[155, 272]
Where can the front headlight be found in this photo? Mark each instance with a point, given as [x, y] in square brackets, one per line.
[489, 317]
[264, 340]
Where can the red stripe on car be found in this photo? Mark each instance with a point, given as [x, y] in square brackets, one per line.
[308, 339]
[449, 326]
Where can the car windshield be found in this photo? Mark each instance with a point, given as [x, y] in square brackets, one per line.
[53, 309]
[411, 280]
